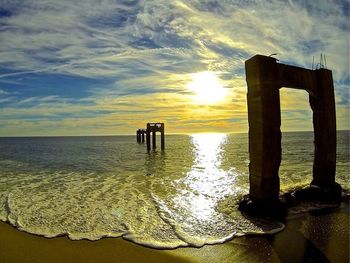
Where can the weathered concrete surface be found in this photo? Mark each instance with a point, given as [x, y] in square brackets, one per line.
[324, 120]
[264, 79]
[264, 119]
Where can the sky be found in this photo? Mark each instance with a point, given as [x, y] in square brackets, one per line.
[105, 67]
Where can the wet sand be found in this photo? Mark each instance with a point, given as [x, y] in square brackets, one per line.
[310, 237]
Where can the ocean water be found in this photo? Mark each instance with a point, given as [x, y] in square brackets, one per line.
[95, 187]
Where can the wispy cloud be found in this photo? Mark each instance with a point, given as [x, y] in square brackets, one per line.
[126, 61]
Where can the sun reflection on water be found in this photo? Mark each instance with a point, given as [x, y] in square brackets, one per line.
[207, 182]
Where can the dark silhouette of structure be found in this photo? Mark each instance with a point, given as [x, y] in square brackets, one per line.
[140, 135]
[264, 78]
[154, 127]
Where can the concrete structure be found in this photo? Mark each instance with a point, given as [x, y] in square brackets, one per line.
[140, 135]
[153, 128]
[264, 79]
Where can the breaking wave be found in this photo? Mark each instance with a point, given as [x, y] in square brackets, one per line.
[90, 188]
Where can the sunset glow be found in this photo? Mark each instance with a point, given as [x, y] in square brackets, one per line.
[108, 67]
[207, 88]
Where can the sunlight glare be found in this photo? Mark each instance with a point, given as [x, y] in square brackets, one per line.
[207, 88]
[207, 183]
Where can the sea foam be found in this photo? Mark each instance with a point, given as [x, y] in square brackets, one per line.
[185, 196]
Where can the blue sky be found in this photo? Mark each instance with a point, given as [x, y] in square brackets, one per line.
[99, 67]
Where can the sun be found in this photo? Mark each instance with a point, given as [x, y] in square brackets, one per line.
[206, 88]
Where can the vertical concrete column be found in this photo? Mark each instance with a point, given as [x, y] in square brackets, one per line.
[162, 137]
[138, 136]
[324, 120]
[148, 137]
[264, 128]
[154, 139]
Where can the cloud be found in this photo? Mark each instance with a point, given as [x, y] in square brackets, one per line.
[3, 92]
[144, 52]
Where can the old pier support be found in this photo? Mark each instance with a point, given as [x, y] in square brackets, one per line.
[264, 78]
[140, 135]
[153, 128]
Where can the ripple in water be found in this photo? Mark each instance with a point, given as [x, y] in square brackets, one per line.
[94, 187]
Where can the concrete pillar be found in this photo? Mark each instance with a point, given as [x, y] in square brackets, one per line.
[148, 137]
[162, 140]
[264, 128]
[154, 139]
[138, 136]
[324, 120]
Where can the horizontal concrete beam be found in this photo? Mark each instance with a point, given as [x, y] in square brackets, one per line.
[297, 78]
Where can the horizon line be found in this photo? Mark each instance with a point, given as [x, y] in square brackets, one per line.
[112, 135]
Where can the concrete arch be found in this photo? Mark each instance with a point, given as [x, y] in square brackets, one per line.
[265, 76]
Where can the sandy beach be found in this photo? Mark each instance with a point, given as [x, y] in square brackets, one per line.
[310, 237]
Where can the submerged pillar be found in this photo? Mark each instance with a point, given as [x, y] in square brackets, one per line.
[138, 136]
[148, 137]
[162, 140]
[143, 136]
[154, 139]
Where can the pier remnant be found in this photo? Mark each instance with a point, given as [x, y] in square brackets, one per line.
[264, 78]
[140, 135]
[154, 127]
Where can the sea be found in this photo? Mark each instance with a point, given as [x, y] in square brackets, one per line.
[110, 186]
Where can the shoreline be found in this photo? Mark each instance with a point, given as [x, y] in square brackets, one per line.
[320, 236]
